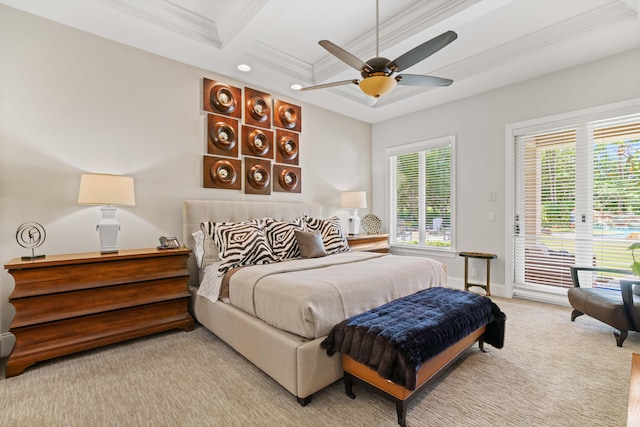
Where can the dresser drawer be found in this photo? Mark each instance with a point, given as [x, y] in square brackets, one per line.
[64, 278]
[47, 308]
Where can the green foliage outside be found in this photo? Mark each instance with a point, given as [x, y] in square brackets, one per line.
[437, 192]
[616, 195]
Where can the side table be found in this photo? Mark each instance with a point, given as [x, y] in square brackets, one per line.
[480, 255]
[369, 242]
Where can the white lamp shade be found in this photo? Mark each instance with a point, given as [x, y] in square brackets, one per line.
[354, 199]
[99, 189]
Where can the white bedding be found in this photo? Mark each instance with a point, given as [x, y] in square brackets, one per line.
[308, 297]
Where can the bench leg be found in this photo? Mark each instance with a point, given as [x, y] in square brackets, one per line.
[575, 313]
[401, 409]
[348, 385]
[620, 337]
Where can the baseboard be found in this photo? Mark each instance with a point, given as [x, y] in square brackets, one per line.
[497, 289]
[541, 296]
[7, 340]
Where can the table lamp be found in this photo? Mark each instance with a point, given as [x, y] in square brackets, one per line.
[108, 190]
[354, 200]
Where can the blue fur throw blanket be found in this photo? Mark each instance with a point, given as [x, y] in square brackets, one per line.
[396, 338]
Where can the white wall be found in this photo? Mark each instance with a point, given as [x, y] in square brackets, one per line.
[71, 102]
[479, 125]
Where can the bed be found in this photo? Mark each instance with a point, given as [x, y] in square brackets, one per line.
[254, 323]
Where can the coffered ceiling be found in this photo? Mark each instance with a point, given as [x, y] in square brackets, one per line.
[500, 42]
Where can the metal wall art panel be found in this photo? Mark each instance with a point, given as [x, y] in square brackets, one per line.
[287, 147]
[287, 179]
[287, 116]
[257, 142]
[257, 108]
[257, 176]
[222, 135]
[221, 98]
[220, 172]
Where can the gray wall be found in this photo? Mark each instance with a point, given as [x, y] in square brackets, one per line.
[72, 102]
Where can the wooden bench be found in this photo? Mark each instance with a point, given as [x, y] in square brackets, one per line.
[398, 347]
[355, 371]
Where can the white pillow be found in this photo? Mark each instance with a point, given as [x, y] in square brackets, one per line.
[198, 247]
[210, 282]
[210, 248]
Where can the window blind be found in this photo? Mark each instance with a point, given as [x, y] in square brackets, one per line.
[421, 195]
[577, 199]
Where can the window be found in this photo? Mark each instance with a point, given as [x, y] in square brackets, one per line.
[421, 194]
[577, 199]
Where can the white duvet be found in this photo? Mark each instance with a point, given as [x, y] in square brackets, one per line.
[308, 297]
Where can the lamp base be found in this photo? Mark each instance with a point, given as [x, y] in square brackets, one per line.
[354, 223]
[108, 228]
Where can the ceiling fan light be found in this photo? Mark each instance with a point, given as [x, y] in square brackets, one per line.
[377, 86]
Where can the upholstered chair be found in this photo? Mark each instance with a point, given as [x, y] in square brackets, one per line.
[618, 307]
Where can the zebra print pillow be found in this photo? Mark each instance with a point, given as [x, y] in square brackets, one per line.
[280, 235]
[333, 238]
[240, 244]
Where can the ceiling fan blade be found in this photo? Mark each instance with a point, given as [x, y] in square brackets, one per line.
[422, 51]
[345, 56]
[322, 86]
[418, 80]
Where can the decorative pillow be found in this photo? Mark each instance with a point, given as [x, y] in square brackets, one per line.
[332, 236]
[210, 249]
[310, 243]
[281, 238]
[241, 244]
[198, 247]
[210, 282]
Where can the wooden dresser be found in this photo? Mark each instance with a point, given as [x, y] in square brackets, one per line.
[369, 242]
[69, 303]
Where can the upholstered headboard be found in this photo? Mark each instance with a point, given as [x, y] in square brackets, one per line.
[195, 212]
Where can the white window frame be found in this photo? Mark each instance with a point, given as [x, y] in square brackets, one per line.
[448, 252]
[548, 294]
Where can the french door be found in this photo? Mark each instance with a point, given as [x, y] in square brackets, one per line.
[577, 199]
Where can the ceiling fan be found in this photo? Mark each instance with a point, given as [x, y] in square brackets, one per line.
[379, 74]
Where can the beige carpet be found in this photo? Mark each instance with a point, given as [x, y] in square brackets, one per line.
[551, 372]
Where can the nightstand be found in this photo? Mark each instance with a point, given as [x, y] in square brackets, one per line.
[369, 242]
[70, 303]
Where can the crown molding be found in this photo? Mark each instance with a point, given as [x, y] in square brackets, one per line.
[545, 37]
[170, 15]
[282, 62]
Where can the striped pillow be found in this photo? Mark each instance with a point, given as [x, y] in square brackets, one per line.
[280, 235]
[240, 244]
[333, 238]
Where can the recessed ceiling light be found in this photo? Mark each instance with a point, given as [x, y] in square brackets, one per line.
[244, 68]
[296, 86]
